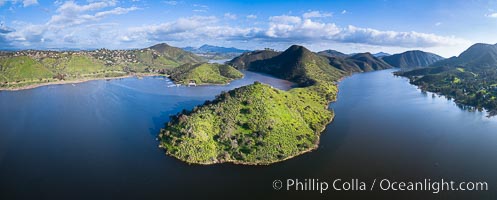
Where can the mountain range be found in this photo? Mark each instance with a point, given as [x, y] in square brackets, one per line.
[478, 55]
[214, 49]
[412, 59]
[469, 79]
[260, 60]
[211, 52]
[381, 54]
[258, 124]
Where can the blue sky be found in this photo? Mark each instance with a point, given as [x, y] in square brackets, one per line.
[443, 27]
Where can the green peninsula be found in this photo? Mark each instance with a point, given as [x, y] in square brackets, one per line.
[30, 68]
[258, 124]
[470, 78]
[204, 73]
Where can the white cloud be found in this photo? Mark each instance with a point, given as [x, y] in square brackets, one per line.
[5, 29]
[115, 11]
[492, 15]
[291, 28]
[201, 6]
[71, 14]
[172, 3]
[229, 16]
[196, 27]
[65, 26]
[438, 23]
[27, 3]
[251, 16]
[75, 24]
[352, 34]
[344, 12]
[316, 14]
[28, 34]
[286, 28]
[285, 19]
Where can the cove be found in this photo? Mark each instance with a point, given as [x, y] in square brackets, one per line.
[96, 140]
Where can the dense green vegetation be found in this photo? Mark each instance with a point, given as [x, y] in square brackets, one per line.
[469, 79]
[258, 124]
[204, 73]
[22, 68]
[332, 53]
[246, 59]
[175, 54]
[254, 124]
[360, 62]
[31, 67]
[412, 59]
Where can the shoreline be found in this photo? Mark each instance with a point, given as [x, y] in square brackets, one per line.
[63, 82]
[235, 162]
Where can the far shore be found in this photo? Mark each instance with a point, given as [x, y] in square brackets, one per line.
[77, 81]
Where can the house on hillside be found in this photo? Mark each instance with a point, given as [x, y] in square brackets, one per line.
[192, 83]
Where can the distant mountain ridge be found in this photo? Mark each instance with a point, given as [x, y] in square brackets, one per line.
[214, 49]
[469, 79]
[381, 54]
[478, 55]
[332, 53]
[411, 59]
[293, 64]
[259, 124]
[360, 62]
[176, 53]
[245, 60]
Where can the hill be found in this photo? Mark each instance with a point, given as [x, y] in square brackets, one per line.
[411, 59]
[176, 54]
[477, 56]
[246, 59]
[332, 53]
[294, 64]
[381, 54]
[25, 68]
[214, 49]
[359, 62]
[254, 124]
[258, 124]
[204, 73]
[368, 62]
[215, 52]
[470, 78]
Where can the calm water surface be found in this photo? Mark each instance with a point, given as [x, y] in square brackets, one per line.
[96, 140]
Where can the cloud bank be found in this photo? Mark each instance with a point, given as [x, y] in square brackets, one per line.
[81, 24]
[287, 28]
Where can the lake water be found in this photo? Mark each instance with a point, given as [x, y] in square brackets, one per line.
[96, 140]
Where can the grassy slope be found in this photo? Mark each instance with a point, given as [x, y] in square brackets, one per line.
[257, 124]
[178, 55]
[147, 59]
[205, 73]
[22, 71]
[251, 124]
[470, 79]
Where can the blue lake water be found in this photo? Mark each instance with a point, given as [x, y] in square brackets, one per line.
[96, 140]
